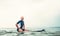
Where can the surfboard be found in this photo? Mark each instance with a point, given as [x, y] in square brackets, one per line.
[37, 30]
[31, 31]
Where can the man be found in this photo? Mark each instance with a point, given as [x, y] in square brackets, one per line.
[21, 24]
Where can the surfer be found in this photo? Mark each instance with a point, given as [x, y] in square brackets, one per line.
[21, 24]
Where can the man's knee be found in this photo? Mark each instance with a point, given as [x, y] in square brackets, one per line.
[20, 30]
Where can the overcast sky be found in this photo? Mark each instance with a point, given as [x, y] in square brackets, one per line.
[37, 13]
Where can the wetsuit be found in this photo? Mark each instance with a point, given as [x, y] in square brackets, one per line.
[20, 22]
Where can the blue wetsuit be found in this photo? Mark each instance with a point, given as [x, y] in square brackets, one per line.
[20, 22]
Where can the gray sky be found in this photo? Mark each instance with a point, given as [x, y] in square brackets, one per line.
[37, 13]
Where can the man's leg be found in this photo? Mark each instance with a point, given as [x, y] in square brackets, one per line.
[20, 30]
[26, 30]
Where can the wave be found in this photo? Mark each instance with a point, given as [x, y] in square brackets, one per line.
[12, 31]
[45, 31]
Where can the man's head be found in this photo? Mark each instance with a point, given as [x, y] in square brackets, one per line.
[22, 18]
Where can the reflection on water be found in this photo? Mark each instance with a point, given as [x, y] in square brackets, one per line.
[47, 32]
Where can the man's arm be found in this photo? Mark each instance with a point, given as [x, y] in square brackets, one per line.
[17, 25]
[23, 27]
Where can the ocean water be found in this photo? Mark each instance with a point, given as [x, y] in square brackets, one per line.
[52, 31]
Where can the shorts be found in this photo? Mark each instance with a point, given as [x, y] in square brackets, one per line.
[19, 28]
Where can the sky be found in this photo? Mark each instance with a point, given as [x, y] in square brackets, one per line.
[37, 13]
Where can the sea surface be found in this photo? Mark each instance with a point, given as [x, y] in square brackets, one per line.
[51, 31]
